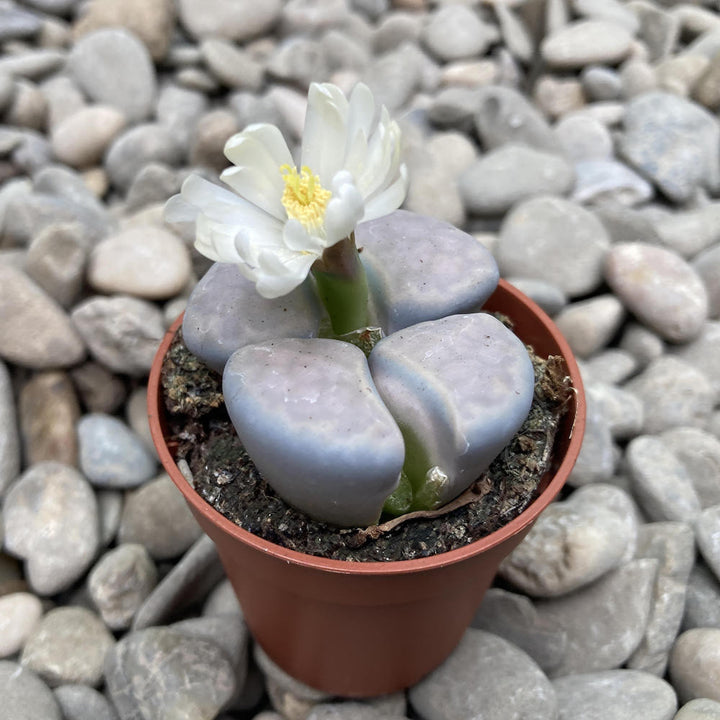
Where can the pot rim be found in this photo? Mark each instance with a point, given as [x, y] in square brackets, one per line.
[394, 567]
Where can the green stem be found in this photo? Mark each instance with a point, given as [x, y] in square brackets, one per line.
[342, 286]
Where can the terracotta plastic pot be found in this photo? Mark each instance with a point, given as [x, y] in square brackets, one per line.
[363, 629]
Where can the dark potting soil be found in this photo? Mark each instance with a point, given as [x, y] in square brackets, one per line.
[200, 432]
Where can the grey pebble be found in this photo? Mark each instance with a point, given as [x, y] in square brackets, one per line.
[99, 389]
[583, 137]
[232, 66]
[9, 435]
[113, 67]
[660, 482]
[553, 239]
[659, 30]
[110, 504]
[299, 61]
[189, 581]
[161, 672]
[586, 42]
[574, 542]
[227, 632]
[622, 410]
[610, 366]
[604, 621]
[154, 183]
[20, 613]
[222, 601]
[589, 325]
[25, 696]
[121, 332]
[596, 461]
[453, 32]
[673, 546]
[350, 711]
[695, 664]
[68, 647]
[33, 64]
[702, 599]
[615, 695]
[120, 582]
[601, 83]
[688, 232]
[80, 702]
[156, 516]
[238, 20]
[702, 353]
[672, 141]
[111, 454]
[17, 23]
[211, 133]
[699, 453]
[548, 296]
[487, 677]
[178, 110]
[395, 76]
[51, 522]
[660, 288]
[673, 393]
[136, 147]
[609, 182]
[514, 618]
[642, 343]
[707, 533]
[493, 183]
[54, 341]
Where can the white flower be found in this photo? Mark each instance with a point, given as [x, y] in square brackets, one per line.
[279, 220]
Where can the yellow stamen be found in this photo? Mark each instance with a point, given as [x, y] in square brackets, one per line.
[304, 198]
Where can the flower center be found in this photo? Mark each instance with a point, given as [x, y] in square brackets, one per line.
[304, 198]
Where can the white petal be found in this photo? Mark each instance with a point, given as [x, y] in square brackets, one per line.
[279, 275]
[273, 141]
[389, 199]
[256, 187]
[178, 211]
[245, 151]
[344, 210]
[361, 113]
[297, 238]
[324, 136]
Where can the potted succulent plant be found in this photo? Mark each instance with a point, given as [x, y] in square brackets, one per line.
[363, 382]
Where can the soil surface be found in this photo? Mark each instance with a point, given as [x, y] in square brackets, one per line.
[200, 432]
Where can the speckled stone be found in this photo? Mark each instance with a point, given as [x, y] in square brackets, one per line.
[51, 522]
[660, 288]
[485, 677]
[68, 646]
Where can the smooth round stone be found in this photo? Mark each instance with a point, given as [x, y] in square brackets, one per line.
[36, 332]
[611, 366]
[25, 696]
[349, 711]
[229, 633]
[589, 325]
[423, 196]
[622, 410]
[456, 31]
[152, 22]
[17, 23]
[688, 232]
[615, 695]
[503, 115]
[702, 599]
[395, 76]
[298, 60]
[114, 68]
[233, 67]
[9, 435]
[238, 20]
[80, 702]
[702, 353]
[137, 416]
[154, 183]
[212, 131]
[485, 677]
[48, 412]
[699, 709]
[20, 614]
[673, 393]
[583, 137]
[586, 42]
[601, 83]
[707, 533]
[673, 142]
[56, 261]
[556, 240]
[642, 343]
[699, 452]
[156, 516]
[178, 110]
[51, 522]
[680, 74]
[609, 181]
[110, 504]
[513, 617]
[122, 333]
[81, 138]
[660, 288]
[68, 646]
[145, 261]
[660, 482]
[99, 390]
[596, 461]
[120, 582]
[695, 664]
[161, 672]
[510, 174]
[28, 108]
[556, 97]
[573, 542]
[111, 454]
[548, 296]
[33, 64]
[604, 621]
[139, 146]
[638, 77]
[222, 601]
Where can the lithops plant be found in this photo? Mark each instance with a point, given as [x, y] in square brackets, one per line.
[312, 264]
